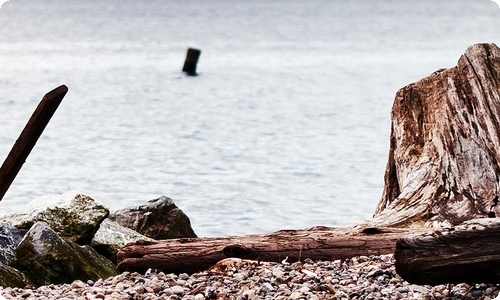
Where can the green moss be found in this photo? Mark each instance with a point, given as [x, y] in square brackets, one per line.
[46, 258]
[10, 277]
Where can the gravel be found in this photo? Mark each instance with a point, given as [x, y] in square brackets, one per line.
[361, 277]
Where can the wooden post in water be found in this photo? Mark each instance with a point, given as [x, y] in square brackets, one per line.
[29, 136]
[192, 57]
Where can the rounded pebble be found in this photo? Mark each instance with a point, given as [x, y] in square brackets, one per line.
[370, 278]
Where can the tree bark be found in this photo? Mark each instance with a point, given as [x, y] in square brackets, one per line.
[444, 163]
[466, 253]
[319, 243]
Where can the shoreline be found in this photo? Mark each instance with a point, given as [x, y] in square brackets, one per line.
[360, 277]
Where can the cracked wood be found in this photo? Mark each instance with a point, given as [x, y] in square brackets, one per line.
[444, 163]
[318, 243]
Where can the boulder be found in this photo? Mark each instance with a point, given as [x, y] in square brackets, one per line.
[44, 257]
[73, 215]
[9, 239]
[111, 236]
[444, 162]
[10, 277]
[158, 219]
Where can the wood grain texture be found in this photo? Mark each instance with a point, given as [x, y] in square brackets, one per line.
[465, 253]
[197, 254]
[29, 136]
[444, 163]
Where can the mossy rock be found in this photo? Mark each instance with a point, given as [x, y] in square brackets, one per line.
[73, 215]
[111, 237]
[10, 277]
[46, 258]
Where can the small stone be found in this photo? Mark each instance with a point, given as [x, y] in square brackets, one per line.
[267, 287]
[250, 295]
[26, 294]
[77, 284]
[168, 292]
[419, 289]
[239, 277]
[394, 280]
[278, 273]
[178, 290]
[295, 295]
[120, 287]
[139, 289]
[184, 276]
[327, 288]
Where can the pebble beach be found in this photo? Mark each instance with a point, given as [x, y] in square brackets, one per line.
[360, 277]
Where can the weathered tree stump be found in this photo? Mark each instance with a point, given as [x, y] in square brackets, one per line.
[465, 253]
[444, 158]
[198, 254]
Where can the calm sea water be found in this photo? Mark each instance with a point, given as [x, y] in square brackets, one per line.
[287, 125]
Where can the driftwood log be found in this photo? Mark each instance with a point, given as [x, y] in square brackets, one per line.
[465, 253]
[444, 158]
[318, 243]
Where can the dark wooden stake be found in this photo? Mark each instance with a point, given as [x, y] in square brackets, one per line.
[29, 136]
[192, 57]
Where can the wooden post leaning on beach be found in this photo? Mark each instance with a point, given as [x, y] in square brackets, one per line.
[465, 253]
[317, 243]
[191, 61]
[29, 136]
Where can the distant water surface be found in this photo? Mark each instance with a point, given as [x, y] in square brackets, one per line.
[287, 125]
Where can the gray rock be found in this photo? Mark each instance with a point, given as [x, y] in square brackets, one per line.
[158, 219]
[9, 239]
[72, 215]
[111, 236]
[419, 289]
[11, 277]
[44, 258]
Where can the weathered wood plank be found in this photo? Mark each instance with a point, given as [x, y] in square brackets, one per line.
[319, 243]
[466, 253]
[29, 136]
